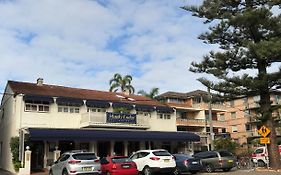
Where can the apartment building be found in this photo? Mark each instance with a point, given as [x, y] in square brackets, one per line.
[192, 115]
[50, 117]
[241, 117]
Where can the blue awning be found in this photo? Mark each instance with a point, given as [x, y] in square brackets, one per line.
[97, 103]
[69, 101]
[164, 109]
[141, 107]
[128, 106]
[38, 99]
[89, 135]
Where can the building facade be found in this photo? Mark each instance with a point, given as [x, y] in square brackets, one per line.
[49, 117]
[192, 115]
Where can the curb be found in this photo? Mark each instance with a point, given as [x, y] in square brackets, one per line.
[267, 170]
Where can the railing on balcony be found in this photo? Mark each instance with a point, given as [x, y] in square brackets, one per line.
[205, 105]
[200, 122]
[97, 119]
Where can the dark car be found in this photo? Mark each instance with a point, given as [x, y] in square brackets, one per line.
[187, 164]
[213, 160]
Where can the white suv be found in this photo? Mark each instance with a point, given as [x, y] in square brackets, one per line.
[150, 161]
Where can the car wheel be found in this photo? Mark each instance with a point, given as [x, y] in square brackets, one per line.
[261, 163]
[64, 172]
[209, 168]
[147, 171]
[177, 171]
[226, 169]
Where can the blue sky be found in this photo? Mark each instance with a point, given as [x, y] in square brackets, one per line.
[83, 43]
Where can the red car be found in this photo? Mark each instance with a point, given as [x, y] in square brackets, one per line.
[118, 165]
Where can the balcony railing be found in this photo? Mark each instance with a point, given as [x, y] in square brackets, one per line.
[200, 122]
[205, 106]
[96, 119]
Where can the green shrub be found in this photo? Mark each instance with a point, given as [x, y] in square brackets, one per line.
[14, 146]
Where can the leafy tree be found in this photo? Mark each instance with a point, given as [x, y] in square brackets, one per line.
[152, 94]
[225, 144]
[121, 83]
[248, 33]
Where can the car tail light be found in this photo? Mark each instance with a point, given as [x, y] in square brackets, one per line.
[262, 155]
[186, 162]
[154, 158]
[114, 166]
[173, 157]
[134, 164]
[74, 161]
[254, 155]
[97, 160]
[72, 171]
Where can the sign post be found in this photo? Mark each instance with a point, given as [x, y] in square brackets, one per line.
[264, 131]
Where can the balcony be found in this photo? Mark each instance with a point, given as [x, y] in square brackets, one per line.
[200, 122]
[215, 107]
[97, 119]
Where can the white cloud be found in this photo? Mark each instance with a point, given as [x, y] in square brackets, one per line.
[83, 43]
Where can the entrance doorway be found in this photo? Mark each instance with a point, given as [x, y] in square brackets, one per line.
[65, 146]
[119, 148]
[37, 156]
[103, 148]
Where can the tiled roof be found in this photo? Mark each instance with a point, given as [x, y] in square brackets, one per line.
[179, 95]
[85, 94]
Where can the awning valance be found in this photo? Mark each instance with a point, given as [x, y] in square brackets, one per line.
[97, 103]
[164, 109]
[69, 101]
[122, 105]
[141, 107]
[83, 134]
[38, 99]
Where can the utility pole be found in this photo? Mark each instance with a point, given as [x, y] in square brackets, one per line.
[212, 136]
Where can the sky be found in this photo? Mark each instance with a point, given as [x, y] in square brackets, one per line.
[83, 43]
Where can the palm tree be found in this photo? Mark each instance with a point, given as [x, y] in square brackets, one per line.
[152, 94]
[121, 83]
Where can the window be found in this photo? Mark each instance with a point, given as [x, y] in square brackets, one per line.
[37, 107]
[233, 115]
[146, 114]
[257, 98]
[231, 103]
[234, 128]
[248, 127]
[68, 109]
[96, 110]
[222, 118]
[164, 116]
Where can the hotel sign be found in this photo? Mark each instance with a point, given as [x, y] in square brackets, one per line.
[112, 117]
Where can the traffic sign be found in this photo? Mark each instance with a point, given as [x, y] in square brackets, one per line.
[264, 140]
[264, 131]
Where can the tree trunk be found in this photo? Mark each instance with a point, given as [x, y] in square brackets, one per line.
[273, 152]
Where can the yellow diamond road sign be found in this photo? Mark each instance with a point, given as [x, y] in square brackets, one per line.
[264, 131]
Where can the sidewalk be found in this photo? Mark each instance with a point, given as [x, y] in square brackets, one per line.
[4, 172]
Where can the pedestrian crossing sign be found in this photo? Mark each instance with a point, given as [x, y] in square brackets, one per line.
[264, 131]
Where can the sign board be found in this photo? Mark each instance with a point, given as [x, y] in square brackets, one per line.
[264, 131]
[264, 140]
[124, 118]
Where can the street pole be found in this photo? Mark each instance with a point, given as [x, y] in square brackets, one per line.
[211, 120]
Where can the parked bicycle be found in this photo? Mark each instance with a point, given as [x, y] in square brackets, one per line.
[245, 163]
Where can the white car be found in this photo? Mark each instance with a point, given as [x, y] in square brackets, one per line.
[150, 161]
[260, 156]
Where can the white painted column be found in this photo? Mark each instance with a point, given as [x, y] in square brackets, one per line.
[56, 154]
[126, 148]
[112, 142]
[27, 163]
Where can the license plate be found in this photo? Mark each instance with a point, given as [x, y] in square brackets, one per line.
[87, 168]
[230, 161]
[166, 160]
[126, 166]
[194, 163]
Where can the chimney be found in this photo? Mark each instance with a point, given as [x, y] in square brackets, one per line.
[40, 82]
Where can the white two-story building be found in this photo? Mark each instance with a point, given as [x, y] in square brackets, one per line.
[48, 117]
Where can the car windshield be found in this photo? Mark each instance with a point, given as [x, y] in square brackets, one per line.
[84, 156]
[259, 151]
[225, 153]
[121, 159]
[161, 153]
